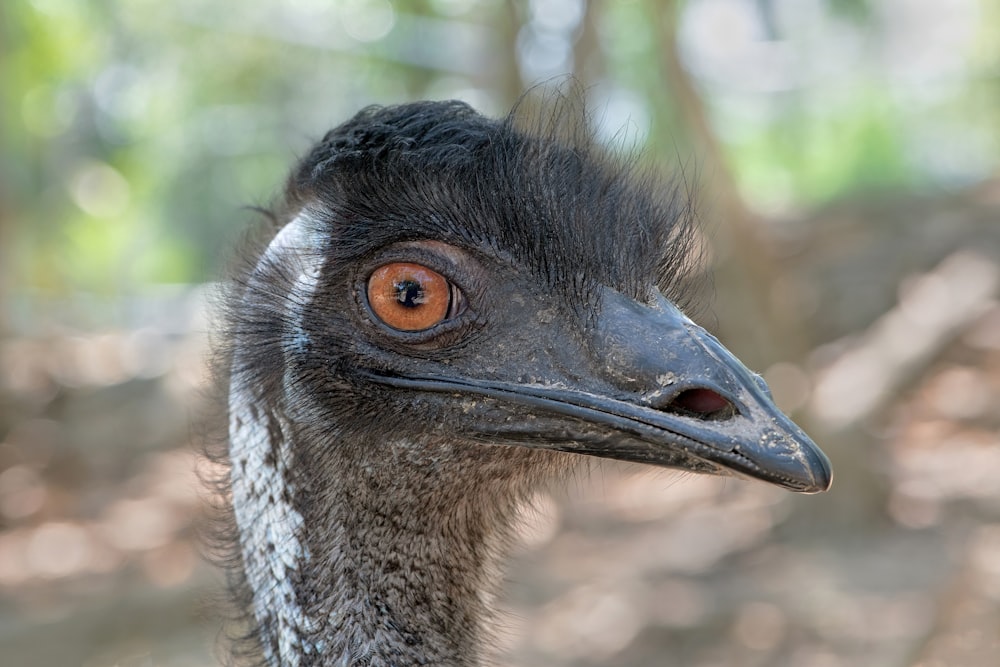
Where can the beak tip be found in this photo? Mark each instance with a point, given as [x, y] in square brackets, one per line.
[814, 473]
[793, 461]
[822, 472]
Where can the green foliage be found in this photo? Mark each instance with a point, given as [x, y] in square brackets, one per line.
[815, 155]
[133, 134]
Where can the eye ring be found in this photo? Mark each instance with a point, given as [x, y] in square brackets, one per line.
[411, 297]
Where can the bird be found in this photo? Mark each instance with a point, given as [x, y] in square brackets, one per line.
[448, 312]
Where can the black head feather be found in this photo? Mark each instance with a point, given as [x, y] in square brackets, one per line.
[540, 192]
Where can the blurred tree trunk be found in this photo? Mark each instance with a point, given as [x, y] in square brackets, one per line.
[510, 17]
[416, 79]
[747, 274]
[588, 59]
[761, 329]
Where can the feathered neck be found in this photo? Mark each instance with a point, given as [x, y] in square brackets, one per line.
[395, 564]
[355, 552]
[406, 556]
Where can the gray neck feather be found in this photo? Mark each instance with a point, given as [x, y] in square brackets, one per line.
[270, 528]
[380, 554]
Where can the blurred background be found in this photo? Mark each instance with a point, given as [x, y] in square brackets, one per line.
[846, 159]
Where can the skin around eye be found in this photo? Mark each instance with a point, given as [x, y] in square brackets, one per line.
[409, 297]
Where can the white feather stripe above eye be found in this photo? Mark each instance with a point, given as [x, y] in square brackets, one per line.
[269, 525]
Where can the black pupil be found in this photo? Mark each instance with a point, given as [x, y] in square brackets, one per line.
[410, 293]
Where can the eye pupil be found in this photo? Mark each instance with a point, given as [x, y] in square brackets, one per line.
[410, 297]
[410, 293]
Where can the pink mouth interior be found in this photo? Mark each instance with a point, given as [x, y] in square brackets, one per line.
[704, 403]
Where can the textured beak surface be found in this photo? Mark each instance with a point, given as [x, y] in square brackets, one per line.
[654, 388]
[704, 395]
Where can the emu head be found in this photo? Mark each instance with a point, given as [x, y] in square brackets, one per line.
[448, 300]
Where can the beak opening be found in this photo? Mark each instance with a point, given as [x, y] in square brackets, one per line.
[773, 449]
[700, 403]
[704, 394]
[648, 386]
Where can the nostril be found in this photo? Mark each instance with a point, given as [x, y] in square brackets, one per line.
[701, 403]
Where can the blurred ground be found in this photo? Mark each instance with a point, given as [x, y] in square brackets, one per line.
[898, 566]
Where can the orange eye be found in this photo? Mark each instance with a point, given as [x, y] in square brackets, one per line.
[409, 297]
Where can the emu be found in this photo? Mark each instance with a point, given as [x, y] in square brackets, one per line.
[450, 312]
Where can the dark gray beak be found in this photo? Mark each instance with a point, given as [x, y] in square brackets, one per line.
[694, 391]
[658, 389]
